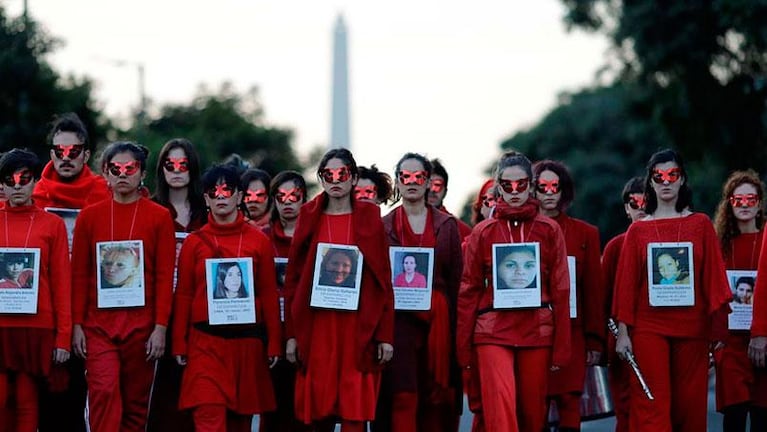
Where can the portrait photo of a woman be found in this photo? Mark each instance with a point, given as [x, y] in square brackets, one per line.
[120, 267]
[517, 267]
[15, 270]
[743, 290]
[671, 266]
[410, 277]
[338, 268]
[229, 282]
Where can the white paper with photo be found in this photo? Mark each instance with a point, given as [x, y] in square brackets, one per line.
[180, 237]
[412, 270]
[70, 217]
[120, 274]
[337, 277]
[573, 288]
[280, 267]
[516, 275]
[19, 286]
[670, 274]
[742, 283]
[230, 291]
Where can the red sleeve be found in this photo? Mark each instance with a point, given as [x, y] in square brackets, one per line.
[609, 267]
[559, 289]
[628, 278]
[759, 323]
[82, 266]
[165, 255]
[266, 281]
[292, 278]
[716, 285]
[385, 330]
[469, 295]
[595, 320]
[60, 282]
[182, 299]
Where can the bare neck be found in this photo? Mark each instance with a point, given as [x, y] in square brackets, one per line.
[747, 227]
[338, 206]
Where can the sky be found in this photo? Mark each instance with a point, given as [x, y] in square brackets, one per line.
[445, 79]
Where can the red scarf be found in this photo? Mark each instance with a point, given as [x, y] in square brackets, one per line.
[528, 210]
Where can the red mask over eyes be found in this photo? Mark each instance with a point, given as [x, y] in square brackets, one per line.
[128, 168]
[488, 201]
[21, 178]
[413, 177]
[671, 175]
[176, 164]
[744, 200]
[366, 192]
[220, 191]
[636, 201]
[256, 196]
[548, 186]
[71, 151]
[335, 175]
[285, 196]
[510, 186]
[437, 185]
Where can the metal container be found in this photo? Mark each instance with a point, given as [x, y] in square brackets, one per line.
[596, 400]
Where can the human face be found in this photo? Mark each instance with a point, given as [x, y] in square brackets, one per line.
[233, 279]
[14, 269]
[336, 179]
[412, 181]
[68, 155]
[519, 195]
[488, 202]
[123, 173]
[635, 207]
[257, 199]
[339, 267]
[518, 269]
[117, 267]
[741, 199]
[18, 188]
[176, 168]
[743, 293]
[666, 181]
[548, 190]
[367, 191]
[408, 264]
[288, 200]
[437, 190]
[668, 267]
[222, 200]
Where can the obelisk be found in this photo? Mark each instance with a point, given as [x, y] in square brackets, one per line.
[339, 128]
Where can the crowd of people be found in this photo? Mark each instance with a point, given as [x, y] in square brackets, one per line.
[205, 336]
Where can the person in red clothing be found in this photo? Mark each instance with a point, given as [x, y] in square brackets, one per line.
[515, 348]
[421, 390]
[669, 329]
[374, 186]
[120, 344]
[619, 372]
[226, 377]
[31, 342]
[288, 190]
[738, 222]
[484, 203]
[339, 352]
[555, 190]
[438, 191]
[256, 200]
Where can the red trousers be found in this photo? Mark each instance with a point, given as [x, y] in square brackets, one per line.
[513, 385]
[119, 379]
[18, 402]
[620, 376]
[216, 418]
[676, 370]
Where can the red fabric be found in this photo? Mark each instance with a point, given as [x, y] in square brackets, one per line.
[86, 189]
[23, 391]
[620, 376]
[280, 240]
[119, 377]
[513, 387]
[404, 412]
[112, 221]
[463, 228]
[712, 293]
[759, 323]
[46, 231]
[215, 418]
[26, 350]
[190, 300]
[376, 313]
[541, 327]
[679, 383]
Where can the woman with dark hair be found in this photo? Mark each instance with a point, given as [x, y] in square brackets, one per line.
[120, 344]
[340, 353]
[514, 348]
[254, 184]
[337, 268]
[670, 339]
[31, 343]
[556, 191]
[619, 372]
[374, 186]
[483, 205]
[229, 282]
[739, 221]
[178, 184]
[422, 390]
[226, 376]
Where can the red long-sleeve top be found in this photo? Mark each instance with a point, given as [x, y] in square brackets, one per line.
[759, 322]
[238, 239]
[478, 322]
[280, 240]
[631, 302]
[54, 305]
[610, 257]
[86, 189]
[582, 241]
[112, 221]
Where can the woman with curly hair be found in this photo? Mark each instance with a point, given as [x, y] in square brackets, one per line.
[374, 186]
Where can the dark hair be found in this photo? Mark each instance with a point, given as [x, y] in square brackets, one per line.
[236, 161]
[221, 270]
[223, 172]
[476, 207]
[69, 122]
[566, 185]
[685, 193]
[725, 223]
[633, 186]
[345, 156]
[17, 159]
[513, 158]
[748, 280]
[427, 166]
[439, 169]
[382, 181]
[139, 152]
[281, 178]
[250, 175]
[194, 195]
[326, 258]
